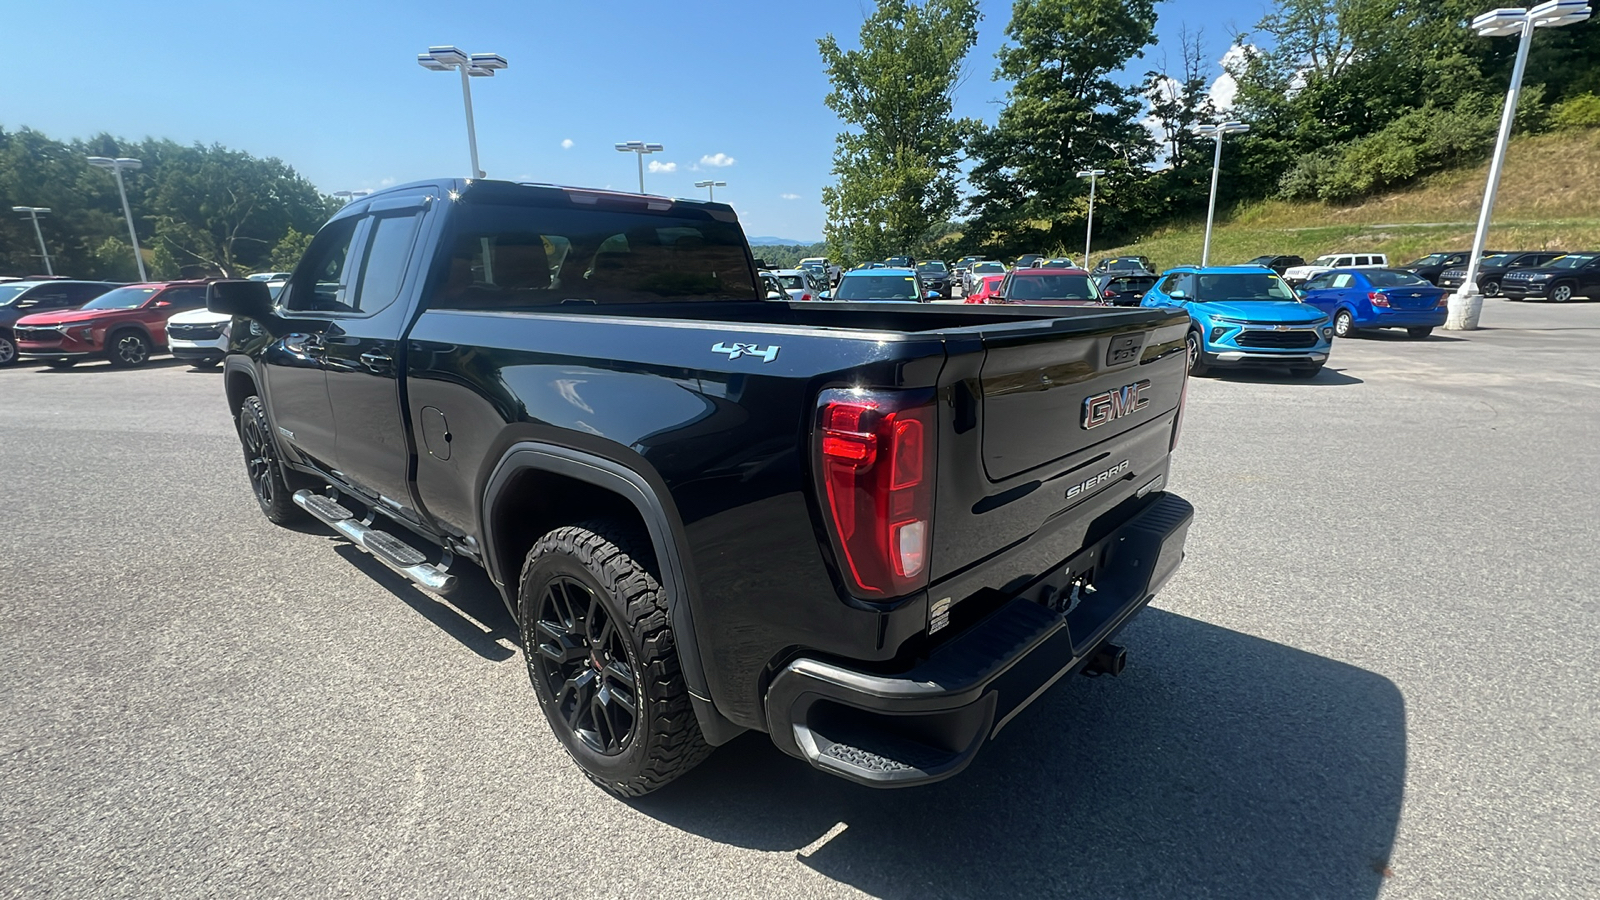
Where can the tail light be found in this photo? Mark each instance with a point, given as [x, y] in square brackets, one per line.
[1378, 299]
[1109, 294]
[875, 471]
[804, 297]
[1444, 300]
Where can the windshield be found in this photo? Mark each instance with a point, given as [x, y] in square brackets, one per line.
[877, 287]
[1431, 259]
[1131, 283]
[1391, 278]
[1570, 262]
[121, 298]
[1051, 287]
[936, 268]
[10, 292]
[793, 282]
[988, 267]
[1234, 287]
[1499, 259]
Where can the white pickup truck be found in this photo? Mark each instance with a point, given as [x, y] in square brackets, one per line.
[1297, 274]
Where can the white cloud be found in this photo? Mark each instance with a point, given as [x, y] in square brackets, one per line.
[1226, 88]
[720, 160]
[386, 182]
[663, 167]
[566, 144]
[790, 196]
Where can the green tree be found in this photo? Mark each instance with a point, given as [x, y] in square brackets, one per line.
[1065, 112]
[896, 165]
[287, 252]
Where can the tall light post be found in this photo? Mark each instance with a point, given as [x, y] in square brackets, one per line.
[1088, 232]
[116, 166]
[643, 149]
[475, 65]
[1215, 132]
[710, 186]
[1466, 304]
[33, 213]
[349, 196]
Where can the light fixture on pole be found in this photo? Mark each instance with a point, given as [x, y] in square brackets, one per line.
[116, 166]
[1088, 231]
[348, 196]
[476, 65]
[1216, 132]
[33, 212]
[643, 149]
[1466, 304]
[710, 186]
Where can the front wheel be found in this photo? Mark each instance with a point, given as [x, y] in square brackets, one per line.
[8, 351]
[128, 349]
[1418, 333]
[1197, 362]
[1490, 288]
[603, 660]
[1561, 293]
[1344, 325]
[267, 481]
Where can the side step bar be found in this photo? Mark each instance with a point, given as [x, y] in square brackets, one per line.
[388, 549]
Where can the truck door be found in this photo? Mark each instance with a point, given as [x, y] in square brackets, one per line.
[292, 364]
[361, 352]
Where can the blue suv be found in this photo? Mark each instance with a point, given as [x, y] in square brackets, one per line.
[1244, 316]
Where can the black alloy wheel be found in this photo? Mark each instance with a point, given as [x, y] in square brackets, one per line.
[267, 482]
[1491, 288]
[129, 349]
[583, 659]
[8, 351]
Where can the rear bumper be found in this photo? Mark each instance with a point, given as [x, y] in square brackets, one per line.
[927, 724]
[1404, 318]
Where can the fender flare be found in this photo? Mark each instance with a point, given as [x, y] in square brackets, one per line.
[629, 484]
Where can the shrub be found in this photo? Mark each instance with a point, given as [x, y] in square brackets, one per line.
[1582, 111]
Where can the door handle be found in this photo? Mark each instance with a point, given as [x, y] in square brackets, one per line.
[379, 363]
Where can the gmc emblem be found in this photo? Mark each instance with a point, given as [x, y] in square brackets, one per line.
[1112, 405]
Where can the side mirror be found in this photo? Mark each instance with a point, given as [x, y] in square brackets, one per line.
[161, 303]
[825, 295]
[252, 299]
[931, 295]
[1179, 295]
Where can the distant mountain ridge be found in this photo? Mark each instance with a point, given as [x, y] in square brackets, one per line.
[769, 241]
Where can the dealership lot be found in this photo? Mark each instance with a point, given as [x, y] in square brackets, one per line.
[1378, 670]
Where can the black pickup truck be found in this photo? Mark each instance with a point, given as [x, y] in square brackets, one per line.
[874, 531]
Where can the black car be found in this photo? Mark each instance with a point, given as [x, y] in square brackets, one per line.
[1124, 264]
[1565, 277]
[1123, 288]
[705, 512]
[935, 276]
[1430, 267]
[1027, 260]
[24, 298]
[1491, 269]
[898, 262]
[1277, 263]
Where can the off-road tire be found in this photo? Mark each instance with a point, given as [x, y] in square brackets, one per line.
[614, 563]
[273, 491]
[128, 349]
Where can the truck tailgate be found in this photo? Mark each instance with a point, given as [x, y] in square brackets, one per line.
[1041, 422]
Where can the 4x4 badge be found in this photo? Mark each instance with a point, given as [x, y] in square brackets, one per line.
[735, 351]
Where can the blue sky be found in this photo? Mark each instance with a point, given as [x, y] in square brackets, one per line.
[332, 87]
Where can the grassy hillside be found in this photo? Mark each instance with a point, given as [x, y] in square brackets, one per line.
[1549, 197]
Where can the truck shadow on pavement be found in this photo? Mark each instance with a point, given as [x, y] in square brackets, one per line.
[1325, 378]
[473, 615]
[1217, 765]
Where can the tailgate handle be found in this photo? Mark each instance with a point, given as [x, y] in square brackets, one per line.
[1124, 349]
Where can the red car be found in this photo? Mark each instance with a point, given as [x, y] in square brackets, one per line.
[126, 325]
[988, 290]
[1053, 287]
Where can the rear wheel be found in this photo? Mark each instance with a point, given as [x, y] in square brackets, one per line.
[1197, 362]
[273, 491]
[603, 660]
[128, 349]
[1561, 293]
[1344, 325]
[1419, 333]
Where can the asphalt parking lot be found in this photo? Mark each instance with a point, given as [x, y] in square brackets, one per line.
[1377, 673]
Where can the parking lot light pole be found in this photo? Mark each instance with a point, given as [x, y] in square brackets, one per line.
[33, 213]
[710, 186]
[1215, 132]
[644, 149]
[476, 65]
[116, 166]
[1088, 231]
[1466, 304]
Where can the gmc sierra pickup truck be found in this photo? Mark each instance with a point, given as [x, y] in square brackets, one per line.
[875, 532]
